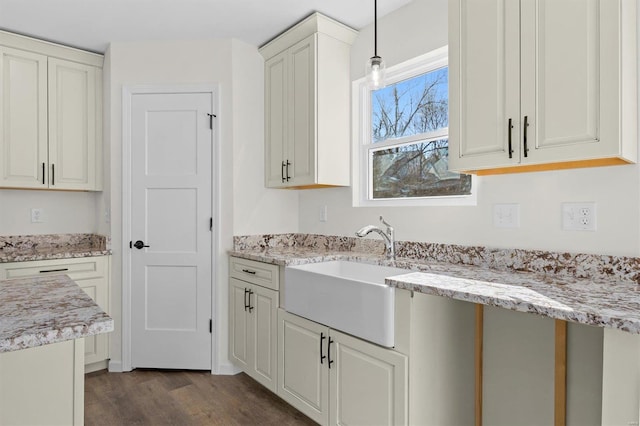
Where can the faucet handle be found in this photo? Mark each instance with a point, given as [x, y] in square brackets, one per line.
[389, 227]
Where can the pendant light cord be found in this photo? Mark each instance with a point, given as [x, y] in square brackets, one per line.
[375, 27]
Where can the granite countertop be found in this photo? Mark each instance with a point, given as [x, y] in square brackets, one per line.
[602, 302]
[23, 248]
[44, 310]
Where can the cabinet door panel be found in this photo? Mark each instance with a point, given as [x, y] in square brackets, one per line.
[484, 83]
[72, 125]
[23, 119]
[302, 104]
[263, 334]
[561, 73]
[239, 327]
[369, 384]
[276, 80]
[302, 380]
[96, 348]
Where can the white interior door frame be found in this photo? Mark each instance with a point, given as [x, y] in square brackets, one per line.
[127, 93]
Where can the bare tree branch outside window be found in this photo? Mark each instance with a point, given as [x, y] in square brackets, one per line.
[417, 106]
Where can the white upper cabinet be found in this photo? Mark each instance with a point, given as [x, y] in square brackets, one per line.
[50, 116]
[307, 105]
[541, 84]
[23, 119]
[72, 125]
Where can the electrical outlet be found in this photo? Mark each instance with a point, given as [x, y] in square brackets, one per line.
[506, 215]
[579, 216]
[37, 216]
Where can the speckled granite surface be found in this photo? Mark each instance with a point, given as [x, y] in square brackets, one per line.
[43, 310]
[576, 265]
[588, 289]
[23, 248]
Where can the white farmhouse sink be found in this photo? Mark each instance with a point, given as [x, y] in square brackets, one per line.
[348, 296]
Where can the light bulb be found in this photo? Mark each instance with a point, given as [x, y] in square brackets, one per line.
[375, 72]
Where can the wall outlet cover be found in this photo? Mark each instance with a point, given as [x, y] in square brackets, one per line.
[579, 216]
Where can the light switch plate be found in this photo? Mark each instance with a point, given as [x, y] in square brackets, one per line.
[323, 214]
[37, 216]
[506, 215]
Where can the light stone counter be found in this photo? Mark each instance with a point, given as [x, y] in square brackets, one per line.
[24, 248]
[44, 310]
[603, 301]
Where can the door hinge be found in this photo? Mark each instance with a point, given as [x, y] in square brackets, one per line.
[210, 326]
[211, 224]
[211, 116]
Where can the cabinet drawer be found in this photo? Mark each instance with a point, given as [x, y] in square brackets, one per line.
[262, 274]
[76, 268]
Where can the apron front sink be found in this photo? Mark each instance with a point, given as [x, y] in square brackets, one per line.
[347, 296]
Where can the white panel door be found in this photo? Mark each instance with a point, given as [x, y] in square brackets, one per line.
[72, 125]
[23, 119]
[171, 206]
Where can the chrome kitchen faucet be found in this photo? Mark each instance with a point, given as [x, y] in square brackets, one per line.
[388, 236]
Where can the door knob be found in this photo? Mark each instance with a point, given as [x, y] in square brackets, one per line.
[139, 245]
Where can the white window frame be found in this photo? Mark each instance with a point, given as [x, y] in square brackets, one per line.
[361, 119]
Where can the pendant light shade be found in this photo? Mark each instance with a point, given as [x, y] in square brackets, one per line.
[375, 68]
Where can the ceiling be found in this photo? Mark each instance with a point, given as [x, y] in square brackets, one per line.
[93, 24]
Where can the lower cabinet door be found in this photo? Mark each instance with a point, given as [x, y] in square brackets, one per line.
[239, 324]
[368, 383]
[302, 365]
[263, 305]
[96, 348]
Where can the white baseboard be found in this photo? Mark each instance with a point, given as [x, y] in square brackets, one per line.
[226, 369]
[116, 367]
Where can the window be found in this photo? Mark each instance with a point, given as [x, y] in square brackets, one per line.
[403, 138]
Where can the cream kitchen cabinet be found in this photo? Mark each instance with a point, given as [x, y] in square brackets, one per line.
[43, 385]
[50, 116]
[307, 138]
[253, 294]
[92, 275]
[537, 85]
[337, 379]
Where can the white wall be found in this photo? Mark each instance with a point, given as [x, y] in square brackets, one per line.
[256, 210]
[65, 212]
[418, 28]
[245, 206]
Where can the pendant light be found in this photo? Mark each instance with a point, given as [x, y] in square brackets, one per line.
[375, 65]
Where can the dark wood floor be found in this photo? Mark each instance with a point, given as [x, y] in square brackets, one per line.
[160, 397]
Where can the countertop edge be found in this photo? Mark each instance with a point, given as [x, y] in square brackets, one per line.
[53, 256]
[26, 341]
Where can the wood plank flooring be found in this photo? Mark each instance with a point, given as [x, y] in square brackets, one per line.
[168, 397]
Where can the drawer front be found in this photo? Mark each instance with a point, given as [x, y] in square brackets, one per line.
[85, 267]
[262, 274]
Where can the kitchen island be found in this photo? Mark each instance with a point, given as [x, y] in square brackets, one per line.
[43, 322]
